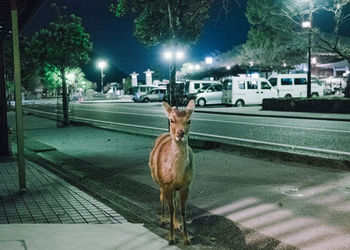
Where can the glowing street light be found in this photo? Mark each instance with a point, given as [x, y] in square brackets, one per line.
[101, 64]
[209, 60]
[179, 55]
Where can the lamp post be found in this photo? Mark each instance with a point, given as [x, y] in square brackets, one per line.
[307, 25]
[173, 55]
[102, 64]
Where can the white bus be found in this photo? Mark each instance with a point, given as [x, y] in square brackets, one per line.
[240, 91]
[295, 85]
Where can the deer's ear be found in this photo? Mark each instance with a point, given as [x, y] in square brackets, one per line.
[190, 107]
[167, 108]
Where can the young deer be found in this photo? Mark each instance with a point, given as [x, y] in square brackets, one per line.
[172, 166]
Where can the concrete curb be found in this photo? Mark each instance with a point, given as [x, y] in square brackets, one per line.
[274, 116]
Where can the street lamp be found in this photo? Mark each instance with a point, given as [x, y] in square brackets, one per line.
[209, 60]
[101, 64]
[307, 25]
[172, 55]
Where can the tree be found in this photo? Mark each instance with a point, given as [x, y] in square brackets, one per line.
[64, 45]
[284, 19]
[270, 43]
[28, 66]
[166, 22]
[330, 38]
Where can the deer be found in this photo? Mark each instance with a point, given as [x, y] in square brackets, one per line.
[172, 166]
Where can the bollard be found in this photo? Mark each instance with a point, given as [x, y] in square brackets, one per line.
[10, 132]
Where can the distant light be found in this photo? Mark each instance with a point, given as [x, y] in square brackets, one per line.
[197, 67]
[255, 75]
[284, 64]
[251, 63]
[228, 67]
[101, 64]
[313, 60]
[190, 67]
[209, 60]
[180, 55]
[168, 55]
[306, 24]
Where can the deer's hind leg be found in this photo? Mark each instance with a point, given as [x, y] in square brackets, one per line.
[183, 198]
[162, 203]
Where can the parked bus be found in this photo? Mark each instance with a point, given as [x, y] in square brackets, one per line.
[240, 91]
[295, 85]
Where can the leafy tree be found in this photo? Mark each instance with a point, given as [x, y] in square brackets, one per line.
[338, 14]
[166, 22]
[270, 42]
[64, 45]
[75, 79]
[28, 66]
[282, 21]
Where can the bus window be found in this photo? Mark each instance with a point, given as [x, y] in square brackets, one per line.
[241, 84]
[299, 81]
[273, 81]
[252, 84]
[265, 85]
[286, 81]
[227, 84]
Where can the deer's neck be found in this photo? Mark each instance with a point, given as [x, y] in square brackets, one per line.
[179, 145]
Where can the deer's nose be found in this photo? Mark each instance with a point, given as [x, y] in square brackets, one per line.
[181, 133]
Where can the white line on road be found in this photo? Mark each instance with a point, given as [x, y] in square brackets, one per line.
[231, 122]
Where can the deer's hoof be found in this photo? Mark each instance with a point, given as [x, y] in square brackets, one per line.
[187, 240]
[171, 242]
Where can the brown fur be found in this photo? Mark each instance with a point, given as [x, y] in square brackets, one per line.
[172, 166]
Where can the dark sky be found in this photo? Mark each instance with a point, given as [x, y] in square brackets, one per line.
[113, 37]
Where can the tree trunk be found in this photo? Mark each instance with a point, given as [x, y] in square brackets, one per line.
[66, 121]
[172, 72]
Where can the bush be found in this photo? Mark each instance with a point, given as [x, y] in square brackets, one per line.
[319, 105]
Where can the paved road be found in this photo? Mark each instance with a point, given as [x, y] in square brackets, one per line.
[305, 136]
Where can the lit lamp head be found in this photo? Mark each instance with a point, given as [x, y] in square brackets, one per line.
[209, 60]
[306, 24]
[101, 64]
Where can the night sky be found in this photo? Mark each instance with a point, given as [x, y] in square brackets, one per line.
[113, 38]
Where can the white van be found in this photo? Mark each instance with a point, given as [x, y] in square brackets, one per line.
[246, 90]
[192, 86]
[295, 85]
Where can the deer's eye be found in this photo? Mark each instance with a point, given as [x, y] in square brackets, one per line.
[189, 122]
[172, 120]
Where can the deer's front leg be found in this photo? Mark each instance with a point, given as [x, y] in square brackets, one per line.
[183, 198]
[170, 199]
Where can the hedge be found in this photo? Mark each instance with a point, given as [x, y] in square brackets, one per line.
[318, 105]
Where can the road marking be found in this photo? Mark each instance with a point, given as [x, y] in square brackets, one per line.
[216, 136]
[231, 122]
[273, 144]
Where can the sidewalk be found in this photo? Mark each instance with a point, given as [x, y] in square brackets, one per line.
[77, 221]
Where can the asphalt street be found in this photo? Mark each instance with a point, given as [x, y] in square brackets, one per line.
[324, 138]
[235, 200]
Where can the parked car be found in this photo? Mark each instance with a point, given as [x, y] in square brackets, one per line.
[140, 90]
[211, 94]
[246, 90]
[154, 95]
[295, 85]
[333, 85]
